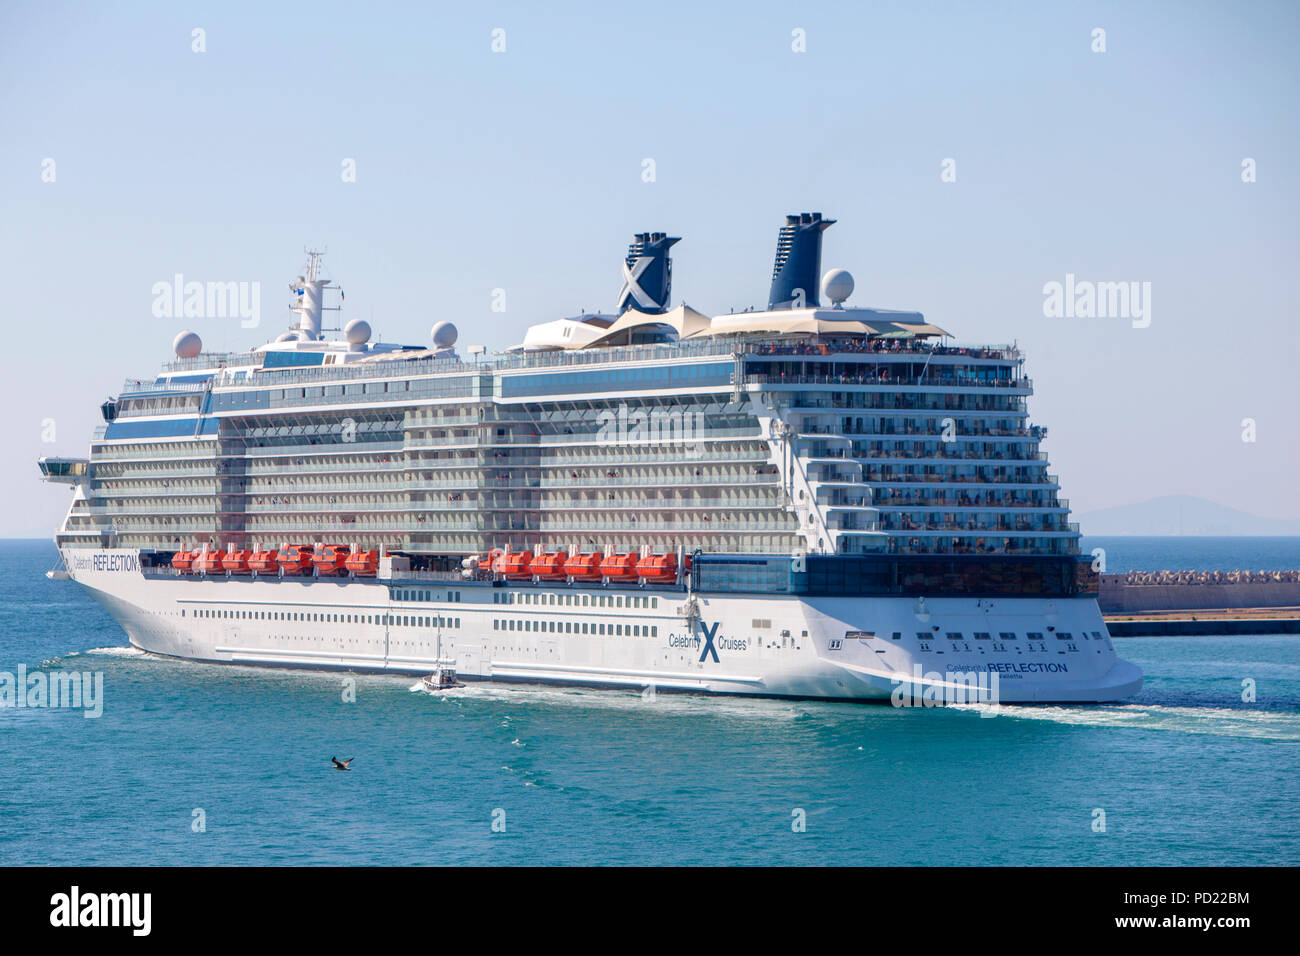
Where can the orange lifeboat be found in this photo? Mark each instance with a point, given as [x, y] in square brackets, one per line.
[262, 562]
[294, 559]
[183, 561]
[362, 562]
[236, 561]
[210, 562]
[549, 566]
[583, 567]
[619, 567]
[331, 558]
[517, 566]
[658, 568]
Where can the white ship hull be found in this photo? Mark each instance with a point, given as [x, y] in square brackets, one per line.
[762, 645]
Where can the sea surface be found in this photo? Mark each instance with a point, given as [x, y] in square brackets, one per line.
[1135, 553]
[1187, 773]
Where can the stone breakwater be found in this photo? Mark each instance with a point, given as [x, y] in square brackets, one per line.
[1139, 591]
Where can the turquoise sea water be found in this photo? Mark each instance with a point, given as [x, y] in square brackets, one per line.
[1186, 774]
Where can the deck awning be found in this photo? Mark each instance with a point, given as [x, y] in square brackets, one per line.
[683, 320]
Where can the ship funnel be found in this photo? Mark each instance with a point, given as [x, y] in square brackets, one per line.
[797, 272]
[647, 274]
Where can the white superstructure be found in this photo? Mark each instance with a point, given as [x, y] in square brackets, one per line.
[805, 500]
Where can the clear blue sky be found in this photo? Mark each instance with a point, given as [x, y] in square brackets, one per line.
[522, 171]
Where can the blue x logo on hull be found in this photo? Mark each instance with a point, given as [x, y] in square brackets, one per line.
[709, 633]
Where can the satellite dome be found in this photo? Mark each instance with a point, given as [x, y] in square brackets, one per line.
[837, 285]
[287, 337]
[357, 332]
[187, 345]
[444, 335]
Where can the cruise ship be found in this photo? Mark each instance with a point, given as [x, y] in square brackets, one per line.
[807, 500]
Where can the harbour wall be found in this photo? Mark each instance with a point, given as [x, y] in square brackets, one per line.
[1119, 595]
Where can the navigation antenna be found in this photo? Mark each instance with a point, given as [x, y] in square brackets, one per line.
[310, 289]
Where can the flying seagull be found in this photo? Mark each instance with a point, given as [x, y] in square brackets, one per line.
[342, 764]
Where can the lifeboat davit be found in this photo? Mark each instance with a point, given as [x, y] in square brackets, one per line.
[183, 561]
[209, 562]
[583, 567]
[517, 566]
[262, 562]
[619, 567]
[294, 559]
[658, 568]
[549, 566]
[362, 563]
[331, 558]
[236, 561]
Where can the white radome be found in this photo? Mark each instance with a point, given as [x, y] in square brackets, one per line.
[444, 335]
[357, 332]
[187, 345]
[287, 337]
[837, 285]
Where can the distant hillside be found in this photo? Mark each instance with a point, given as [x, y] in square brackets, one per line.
[1181, 515]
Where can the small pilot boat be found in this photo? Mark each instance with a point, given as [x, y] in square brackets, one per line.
[444, 678]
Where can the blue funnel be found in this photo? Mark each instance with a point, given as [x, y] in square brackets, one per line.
[647, 274]
[796, 276]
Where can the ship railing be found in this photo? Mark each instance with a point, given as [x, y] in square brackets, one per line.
[419, 362]
[134, 385]
[207, 360]
[658, 504]
[442, 576]
[103, 474]
[97, 490]
[815, 432]
[890, 382]
[719, 524]
[947, 504]
[938, 455]
[199, 451]
[979, 531]
[659, 480]
[603, 457]
[359, 447]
